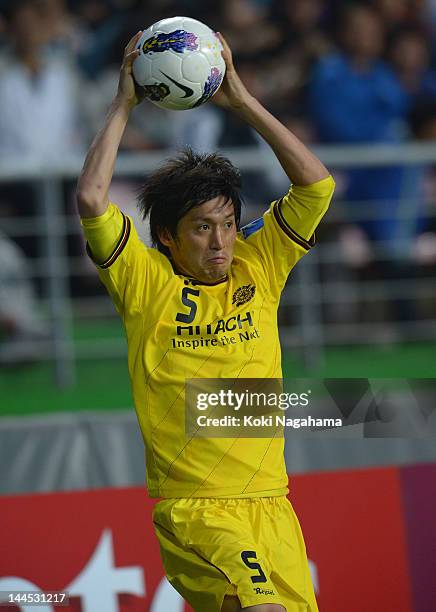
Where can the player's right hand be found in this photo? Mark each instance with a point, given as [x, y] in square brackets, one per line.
[128, 92]
[232, 94]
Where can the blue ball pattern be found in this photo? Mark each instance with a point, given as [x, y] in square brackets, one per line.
[210, 87]
[177, 41]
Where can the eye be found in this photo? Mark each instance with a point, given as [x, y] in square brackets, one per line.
[203, 227]
[229, 224]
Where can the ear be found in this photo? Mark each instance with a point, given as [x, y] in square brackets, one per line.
[165, 237]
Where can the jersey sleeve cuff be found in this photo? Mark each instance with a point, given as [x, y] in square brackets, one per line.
[278, 215]
[125, 233]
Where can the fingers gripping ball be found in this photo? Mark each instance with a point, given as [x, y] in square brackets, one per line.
[180, 64]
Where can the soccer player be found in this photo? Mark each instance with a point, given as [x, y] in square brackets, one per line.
[203, 304]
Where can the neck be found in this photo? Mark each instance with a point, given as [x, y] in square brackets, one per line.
[179, 270]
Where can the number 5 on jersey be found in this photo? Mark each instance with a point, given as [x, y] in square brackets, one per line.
[246, 556]
[190, 316]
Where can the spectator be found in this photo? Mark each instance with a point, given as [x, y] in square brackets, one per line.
[65, 33]
[101, 25]
[356, 98]
[248, 30]
[410, 55]
[301, 22]
[303, 42]
[39, 92]
[393, 12]
[40, 121]
[20, 323]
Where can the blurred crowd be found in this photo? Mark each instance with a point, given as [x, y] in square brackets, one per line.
[334, 71]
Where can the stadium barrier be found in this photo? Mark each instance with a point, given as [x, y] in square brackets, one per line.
[82, 450]
[369, 534]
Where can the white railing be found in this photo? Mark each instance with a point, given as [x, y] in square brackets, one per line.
[309, 291]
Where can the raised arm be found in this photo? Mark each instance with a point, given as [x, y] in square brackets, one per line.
[301, 166]
[96, 175]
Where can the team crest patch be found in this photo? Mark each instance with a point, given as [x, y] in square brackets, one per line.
[243, 294]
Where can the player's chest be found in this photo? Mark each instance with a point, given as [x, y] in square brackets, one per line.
[220, 315]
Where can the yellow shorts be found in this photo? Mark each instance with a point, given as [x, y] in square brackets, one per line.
[252, 548]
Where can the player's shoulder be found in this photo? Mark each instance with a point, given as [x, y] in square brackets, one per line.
[251, 228]
[157, 260]
[253, 238]
[131, 250]
[249, 233]
[248, 236]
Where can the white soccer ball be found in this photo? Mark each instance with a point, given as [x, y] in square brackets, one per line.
[180, 65]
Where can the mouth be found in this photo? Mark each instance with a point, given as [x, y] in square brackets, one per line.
[219, 259]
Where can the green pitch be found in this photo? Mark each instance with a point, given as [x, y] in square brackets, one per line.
[103, 384]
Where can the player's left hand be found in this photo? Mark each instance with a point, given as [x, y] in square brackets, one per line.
[232, 94]
[128, 91]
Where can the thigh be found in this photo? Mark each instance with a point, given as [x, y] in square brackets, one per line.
[231, 604]
[198, 581]
[285, 548]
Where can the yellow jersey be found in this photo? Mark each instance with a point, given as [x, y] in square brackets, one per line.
[178, 328]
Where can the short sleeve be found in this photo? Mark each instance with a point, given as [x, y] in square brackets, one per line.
[276, 243]
[132, 272]
[303, 207]
[102, 233]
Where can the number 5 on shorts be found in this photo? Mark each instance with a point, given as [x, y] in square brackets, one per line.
[246, 555]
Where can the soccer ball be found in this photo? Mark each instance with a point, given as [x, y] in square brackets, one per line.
[180, 65]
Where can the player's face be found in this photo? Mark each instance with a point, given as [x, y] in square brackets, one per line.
[205, 240]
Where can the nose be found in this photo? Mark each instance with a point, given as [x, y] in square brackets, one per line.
[217, 242]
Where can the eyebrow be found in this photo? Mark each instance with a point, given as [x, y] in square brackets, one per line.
[231, 215]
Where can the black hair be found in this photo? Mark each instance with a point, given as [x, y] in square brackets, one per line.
[185, 181]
